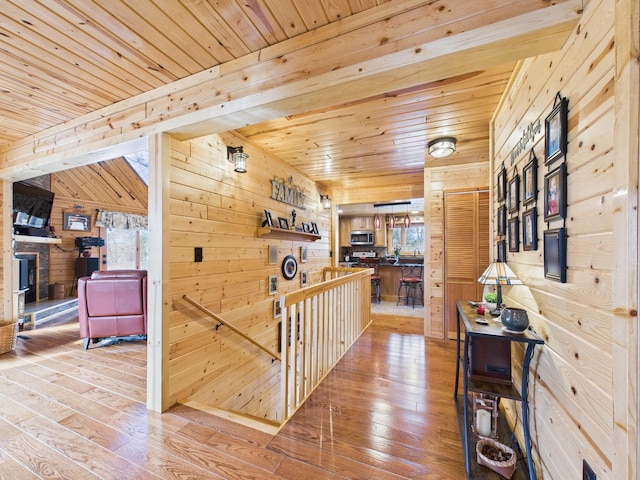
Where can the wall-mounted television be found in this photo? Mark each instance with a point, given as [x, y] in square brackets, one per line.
[31, 209]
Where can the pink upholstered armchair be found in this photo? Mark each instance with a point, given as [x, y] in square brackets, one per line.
[112, 305]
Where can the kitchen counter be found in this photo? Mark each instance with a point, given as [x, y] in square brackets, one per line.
[389, 272]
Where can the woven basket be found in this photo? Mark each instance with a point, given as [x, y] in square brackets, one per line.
[8, 335]
[505, 468]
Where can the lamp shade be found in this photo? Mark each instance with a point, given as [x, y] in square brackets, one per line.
[499, 273]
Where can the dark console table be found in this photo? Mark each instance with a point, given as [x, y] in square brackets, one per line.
[488, 369]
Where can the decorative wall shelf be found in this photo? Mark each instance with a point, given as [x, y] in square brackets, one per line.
[282, 234]
[28, 239]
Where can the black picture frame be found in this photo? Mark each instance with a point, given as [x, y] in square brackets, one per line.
[502, 220]
[555, 130]
[529, 230]
[514, 234]
[314, 228]
[303, 278]
[283, 223]
[306, 228]
[555, 193]
[513, 195]
[501, 183]
[303, 254]
[530, 180]
[555, 255]
[502, 251]
[268, 221]
[289, 267]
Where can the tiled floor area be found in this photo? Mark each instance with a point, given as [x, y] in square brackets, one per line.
[390, 308]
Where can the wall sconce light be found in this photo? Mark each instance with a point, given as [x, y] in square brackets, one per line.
[236, 156]
[442, 147]
[325, 201]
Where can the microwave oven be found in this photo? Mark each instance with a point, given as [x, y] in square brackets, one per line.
[361, 237]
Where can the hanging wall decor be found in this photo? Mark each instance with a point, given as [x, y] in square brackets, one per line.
[555, 255]
[555, 193]
[530, 180]
[555, 130]
[529, 230]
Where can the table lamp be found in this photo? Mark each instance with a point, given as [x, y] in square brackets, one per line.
[499, 273]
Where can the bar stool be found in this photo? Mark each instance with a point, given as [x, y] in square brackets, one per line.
[411, 282]
[375, 277]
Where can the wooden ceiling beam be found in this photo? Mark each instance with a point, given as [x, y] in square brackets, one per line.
[307, 77]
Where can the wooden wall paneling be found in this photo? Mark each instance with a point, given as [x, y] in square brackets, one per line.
[437, 180]
[625, 269]
[110, 185]
[220, 210]
[6, 236]
[574, 369]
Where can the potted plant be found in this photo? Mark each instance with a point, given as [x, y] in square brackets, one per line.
[490, 300]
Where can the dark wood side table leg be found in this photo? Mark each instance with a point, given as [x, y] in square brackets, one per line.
[458, 358]
[525, 409]
[465, 397]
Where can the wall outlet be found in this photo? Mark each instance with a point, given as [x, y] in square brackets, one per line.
[587, 472]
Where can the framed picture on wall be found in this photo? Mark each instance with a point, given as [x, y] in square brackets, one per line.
[303, 278]
[513, 195]
[555, 255]
[501, 183]
[514, 234]
[273, 284]
[529, 231]
[289, 267]
[555, 193]
[530, 180]
[303, 254]
[502, 220]
[502, 251]
[77, 221]
[555, 130]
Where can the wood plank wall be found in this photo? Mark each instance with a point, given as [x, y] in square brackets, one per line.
[215, 208]
[573, 394]
[110, 185]
[437, 181]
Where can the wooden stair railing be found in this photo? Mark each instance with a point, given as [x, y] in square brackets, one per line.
[319, 324]
[221, 320]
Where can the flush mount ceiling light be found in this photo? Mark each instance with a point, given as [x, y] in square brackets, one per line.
[236, 156]
[442, 147]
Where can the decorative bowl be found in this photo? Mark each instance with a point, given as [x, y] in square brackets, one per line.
[515, 319]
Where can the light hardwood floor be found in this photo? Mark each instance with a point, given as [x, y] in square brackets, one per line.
[384, 412]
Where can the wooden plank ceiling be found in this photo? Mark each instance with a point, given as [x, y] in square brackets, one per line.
[62, 59]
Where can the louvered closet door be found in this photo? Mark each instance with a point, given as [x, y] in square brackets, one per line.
[466, 250]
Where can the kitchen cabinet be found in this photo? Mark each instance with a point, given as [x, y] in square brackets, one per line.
[362, 223]
[344, 224]
[380, 237]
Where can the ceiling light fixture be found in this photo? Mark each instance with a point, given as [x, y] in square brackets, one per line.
[442, 147]
[392, 220]
[407, 219]
[236, 156]
[377, 223]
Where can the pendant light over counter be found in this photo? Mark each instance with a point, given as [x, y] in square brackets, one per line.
[391, 219]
